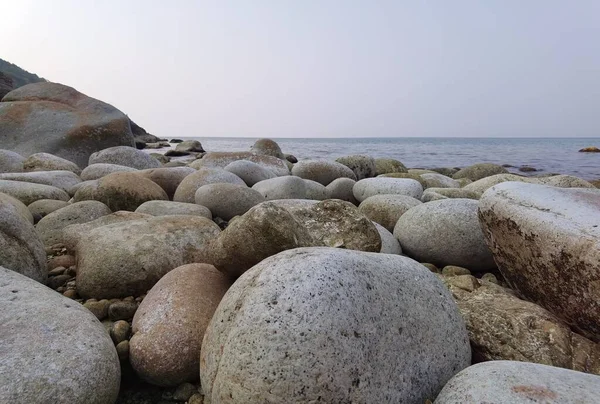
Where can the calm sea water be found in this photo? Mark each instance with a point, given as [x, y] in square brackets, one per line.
[556, 155]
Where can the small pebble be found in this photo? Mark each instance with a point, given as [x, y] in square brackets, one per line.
[123, 350]
[464, 282]
[72, 270]
[119, 331]
[184, 392]
[61, 261]
[196, 399]
[431, 267]
[70, 293]
[57, 271]
[57, 281]
[122, 310]
[453, 270]
[98, 308]
[490, 278]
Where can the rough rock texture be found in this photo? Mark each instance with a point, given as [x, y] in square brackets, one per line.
[50, 227]
[97, 171]
[482, 185]
[168, 178]
[435, 194]
[341, 188]
[389, 244]
[500, 382]
[267, 147]
[387, 209]
[21, 250]
[362, 166]
[191, 146]
[249, 171]
[59, 120]
[125, 156]
[64, 180]
[479, 171]
[322, 171]
[22, 209]
[49, 162]
[168, 208]
[186, 191]
[228, 200]
[433, 180]
[546, 242]
[407, 175]
[128, 258]
[386, 166]
[565, 181]
[222, 159]
[275, 226]
[324, 325]
[60, 351]
[445, 232]
[6, 84]
[28, 192]
[381, 186]
[11, 162]
[175, 313]
[121, 191]
[503, 327]
[290, 187]
[316, 191]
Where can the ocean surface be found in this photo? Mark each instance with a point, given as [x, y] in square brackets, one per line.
[548, 155]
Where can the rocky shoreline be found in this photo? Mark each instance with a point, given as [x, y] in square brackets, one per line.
[256, 276]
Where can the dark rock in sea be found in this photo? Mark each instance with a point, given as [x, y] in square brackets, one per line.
[527, 169]
[176, 153]
[291, 158]
[175, 140]
[591, 149]
[507, 165]
[56, 119]
[140, 144]
[141, 135]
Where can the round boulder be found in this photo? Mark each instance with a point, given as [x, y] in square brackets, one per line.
[434, 194]
[43, 207]
[168, 178]
[362, 166]
[49, 162]
[97, 171]
[387, 209]
[186, 191]
[267, 147]
[381, 186]
[316, 191]
[387, 166]
[64, 180]
[22, 209]
[479, 171]
[249, 171]
[125, 156]
[322, 171]
[389, 244]
[228, 200]
[334, 314]
[28, 192]
[433, 180]
[168, 208]
[289, 187]
[341, 188]
[11, 162]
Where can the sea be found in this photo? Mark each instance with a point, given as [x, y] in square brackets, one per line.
[547, 155]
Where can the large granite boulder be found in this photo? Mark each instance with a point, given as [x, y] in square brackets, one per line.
[267, 147]
[479, 171]
[186, 190]
[56, 119]
[249, 171]
[499, 382]
[228, 200]
[381, 186]
[97, 171]
[22, 209]
[125, 156]
[387, 166]
[49, 162]
[288, 187]
[546, 242]
[63, 179]
[168, 178]
[222, 159]
[386, 209]
[334, 326]
[170, 208]
[482, 185]
[362, 166]
[322, 171]
[53, 349]
[29, 192]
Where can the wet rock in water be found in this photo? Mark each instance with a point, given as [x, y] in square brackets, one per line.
[249, 171]
[168, 208]
[175, 313]
[186, 191]
[519, 383]
[60, 351]
[389, 244]
[21, 249]
[228, 200]
[289, 187]
[565, 181]
[322, 171]
[275, 226]
[503, 327]
[192, 146]
[341, 188]
[447, 171]
[22, 209]
[380, 186]
[64, 180]
[121, 191]
[124, 156]
[434, 180]
[59, 120]
[435, 194]
[267, 147]
[591, 149]
[546, 242]
[333, 312]
[28, 192]
[445, 232]
[362, 166]
[49, 162]
[43, 207]
[527, 169]
[386, 209]
[127, 258]
[97, 171]
[11, 162]
[479, 171]
[176, 141]
[168, 178]
[222, 159]
[316, 191]
[386, 166]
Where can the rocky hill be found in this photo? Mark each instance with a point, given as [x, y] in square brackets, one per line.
[19, 76]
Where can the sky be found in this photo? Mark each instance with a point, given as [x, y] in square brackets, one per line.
[322, 68]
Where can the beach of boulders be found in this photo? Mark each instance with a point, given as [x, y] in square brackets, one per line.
[218, 276]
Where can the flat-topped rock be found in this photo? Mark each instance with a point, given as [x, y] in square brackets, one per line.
[479, 171]
[49, 162]
[99, 170]
[381, 186]
[28, 192]
[125, 156]
[169, 208]
[62, 179]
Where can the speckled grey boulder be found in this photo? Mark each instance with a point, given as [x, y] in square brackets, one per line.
[341, 188]
[168, 208]
[433, 180]
[434, 194]
[565, 181]
[323, 324]
[22, 209]
[445, 232]
[316, 191]
[128, 258]
[190, 146]
[99, 170]
[43, 207]
[387, 166]
[125, 156]
[11, 162]
[322, 171]
[50, 227]
[546, 242]
[186, 191]
[228, 200]
[381, 186]
[482, 185]
[64, 180]
[386, 209]
[267, 147]
[49, 162]
[28, 192]
[249, 171]
[168, 178]
[389, 244]
[21, 249]
[499, 382]
[290, 187]
[222, 159]
[362, 166]
[479, 171]
[175, 313]
[59, 350]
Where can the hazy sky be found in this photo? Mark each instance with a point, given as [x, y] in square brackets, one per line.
[320, 68]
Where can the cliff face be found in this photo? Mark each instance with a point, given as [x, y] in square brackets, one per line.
[19, 76]
[6, 84]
